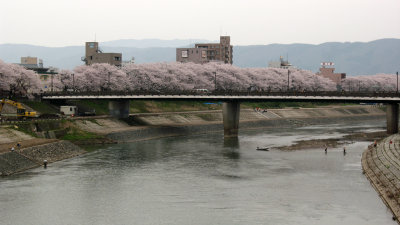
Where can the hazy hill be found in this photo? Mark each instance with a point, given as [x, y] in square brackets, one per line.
[380, 56]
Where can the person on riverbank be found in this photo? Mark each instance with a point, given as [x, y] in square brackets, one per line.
[344, 150]
[18, 146]
[326, 149]
[12, 149]
[375, 143]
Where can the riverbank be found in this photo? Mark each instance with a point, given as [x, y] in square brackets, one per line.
[86, 132]
[381, 165]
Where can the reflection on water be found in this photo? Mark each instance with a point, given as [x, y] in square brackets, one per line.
[203, 179]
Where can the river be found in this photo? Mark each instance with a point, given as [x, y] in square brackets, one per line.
[202, 179]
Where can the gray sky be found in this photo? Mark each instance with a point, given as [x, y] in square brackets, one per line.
[248, 22]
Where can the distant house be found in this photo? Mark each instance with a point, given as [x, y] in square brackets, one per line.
[93, 55]
[45, 74]
[327, 70]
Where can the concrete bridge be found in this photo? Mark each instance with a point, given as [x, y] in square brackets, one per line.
[119, 102]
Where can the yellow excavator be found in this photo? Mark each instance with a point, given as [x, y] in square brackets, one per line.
[21, 111]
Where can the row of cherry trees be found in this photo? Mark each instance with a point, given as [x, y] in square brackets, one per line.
[182, 77]
[189, 76]
[377, 83]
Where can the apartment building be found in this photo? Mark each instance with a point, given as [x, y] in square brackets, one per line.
[327, 70]
[94, 55]
[207, 52]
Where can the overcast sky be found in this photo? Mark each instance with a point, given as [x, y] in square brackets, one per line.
[248, 22]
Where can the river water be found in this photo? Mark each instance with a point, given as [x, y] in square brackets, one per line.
[202, 179]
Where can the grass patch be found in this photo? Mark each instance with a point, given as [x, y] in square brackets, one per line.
[141, 106]
[42, 107]
[24, 128]
[75, 134]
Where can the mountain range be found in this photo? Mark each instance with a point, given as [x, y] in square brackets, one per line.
[353, 58]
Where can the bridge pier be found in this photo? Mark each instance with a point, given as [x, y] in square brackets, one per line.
[119, 108]
[230, 115]
[392, 118]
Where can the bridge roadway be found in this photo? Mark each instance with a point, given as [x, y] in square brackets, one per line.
[119, 101]
[356, 97]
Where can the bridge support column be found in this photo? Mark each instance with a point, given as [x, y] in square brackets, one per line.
[230, 115]
[119, 108]
[392, 118]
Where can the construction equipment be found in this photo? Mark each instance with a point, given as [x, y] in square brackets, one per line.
[21, 111]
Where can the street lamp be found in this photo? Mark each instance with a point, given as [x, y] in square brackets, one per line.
[397, 74]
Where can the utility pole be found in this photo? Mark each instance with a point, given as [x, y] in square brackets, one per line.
[215, 80]
[52, 77]
[397, 74]
[109, 81]
[73, 82]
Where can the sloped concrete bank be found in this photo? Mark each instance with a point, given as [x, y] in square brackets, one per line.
[381, 165]
[153, 132]
[27, 158]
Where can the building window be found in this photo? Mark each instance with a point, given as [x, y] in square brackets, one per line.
[117, 58]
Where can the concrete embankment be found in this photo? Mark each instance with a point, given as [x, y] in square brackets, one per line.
[27, 158]
[381, 165]
[174, 124]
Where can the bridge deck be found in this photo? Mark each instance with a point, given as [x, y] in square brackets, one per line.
[384, 98]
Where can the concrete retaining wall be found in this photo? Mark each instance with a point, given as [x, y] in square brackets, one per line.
[27, 158]
[152, 132]
[381, 165]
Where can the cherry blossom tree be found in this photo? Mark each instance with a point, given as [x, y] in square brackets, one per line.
[97, 77]
[18, 80]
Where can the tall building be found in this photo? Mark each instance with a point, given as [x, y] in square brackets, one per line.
[327, 70]
[207, 52]
[94, 55]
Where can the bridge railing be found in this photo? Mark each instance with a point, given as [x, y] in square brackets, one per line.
[227, 93]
